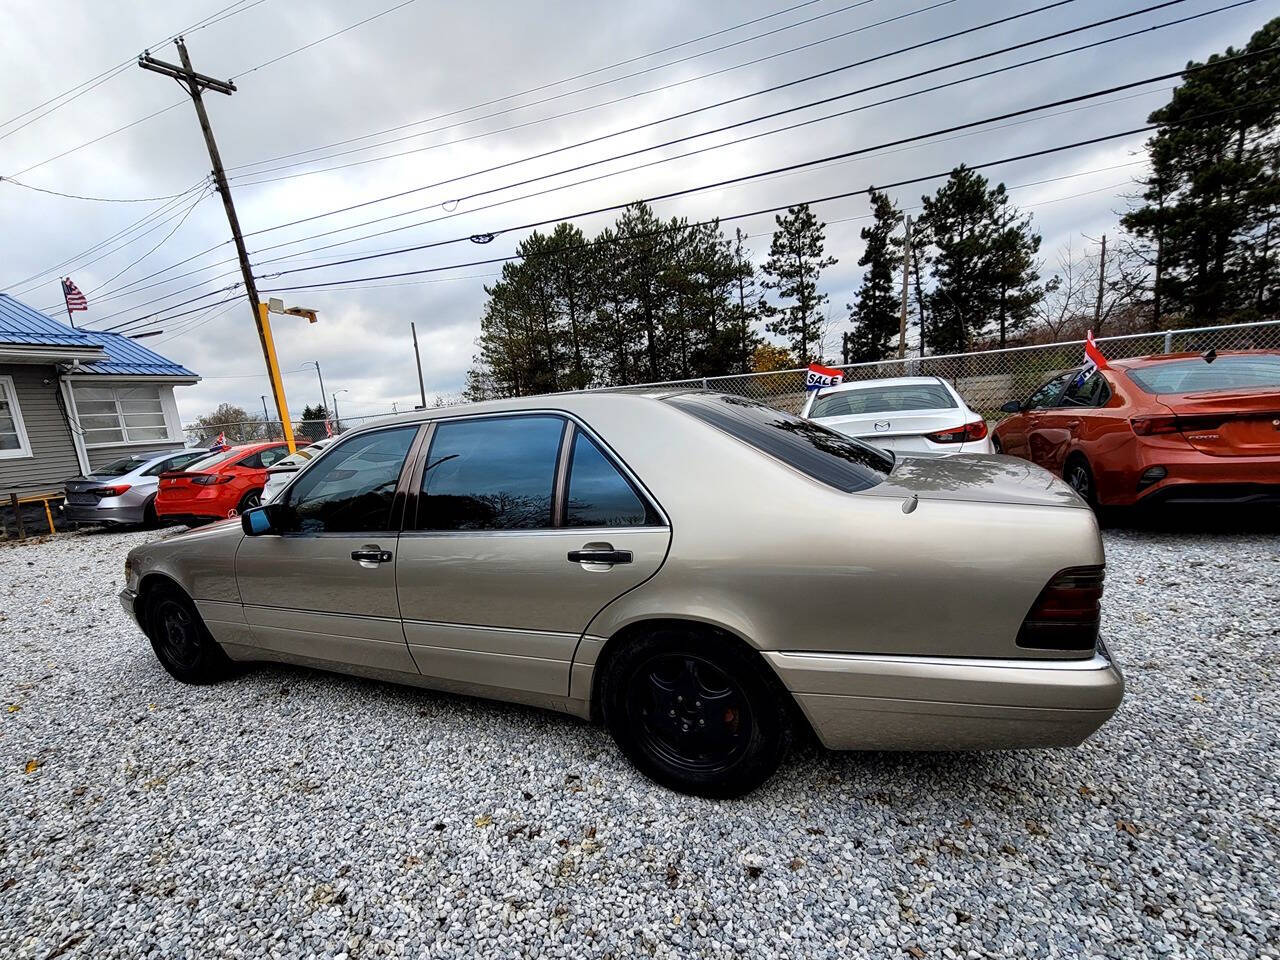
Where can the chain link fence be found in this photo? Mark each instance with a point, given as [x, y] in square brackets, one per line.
[990, 378]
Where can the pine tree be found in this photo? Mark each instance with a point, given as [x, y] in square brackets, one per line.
[796, 261]
[875, 316]
[1209, 207]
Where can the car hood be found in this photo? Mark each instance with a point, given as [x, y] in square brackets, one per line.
[985, 478]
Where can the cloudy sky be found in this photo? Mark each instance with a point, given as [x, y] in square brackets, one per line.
[453, 89]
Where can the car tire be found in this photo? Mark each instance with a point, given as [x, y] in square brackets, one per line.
[996, 446]
[181, 641]
[250, 500]
[149, 519]
[696, 711]
[1079, 477]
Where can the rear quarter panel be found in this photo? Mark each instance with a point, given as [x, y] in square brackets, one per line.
[788, 563]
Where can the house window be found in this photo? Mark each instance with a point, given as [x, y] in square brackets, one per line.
[132, 414]
[13, 434]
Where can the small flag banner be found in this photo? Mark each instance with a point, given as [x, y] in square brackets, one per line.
[1093, 359]
[220, 442]
[820, 377]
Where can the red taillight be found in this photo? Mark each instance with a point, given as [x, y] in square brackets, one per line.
[209, 479]
[115, 491]
[1148, 426]
[1067, 613]
[970, 431]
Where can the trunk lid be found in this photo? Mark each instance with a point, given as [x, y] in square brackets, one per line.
[1229, 423]
[984, 478]
[895, 430]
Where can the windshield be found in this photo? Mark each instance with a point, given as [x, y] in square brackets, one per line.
[118, 468]
[889, 398]
[836, 460]
[1239, 372]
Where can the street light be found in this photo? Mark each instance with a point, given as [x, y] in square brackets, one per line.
[319, 376]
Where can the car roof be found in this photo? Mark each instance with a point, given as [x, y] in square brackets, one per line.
[1158, 358]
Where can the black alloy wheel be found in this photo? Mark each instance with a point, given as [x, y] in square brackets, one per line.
[181, 641]
[250, 500]
[1080, 478]
[696, 711]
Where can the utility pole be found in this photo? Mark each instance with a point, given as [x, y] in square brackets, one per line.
[266, 417]
[337, 420]
[319, 376]
[1102, 279]
[195, 84]
[422, 390]
[906, 276]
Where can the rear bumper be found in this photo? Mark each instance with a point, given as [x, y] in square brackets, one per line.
[875, 702]
[92, 513]
[1191, 476]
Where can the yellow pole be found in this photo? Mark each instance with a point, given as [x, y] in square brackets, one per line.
[48, 515]
[273, 372]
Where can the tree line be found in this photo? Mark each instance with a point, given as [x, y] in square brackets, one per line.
[649, 299]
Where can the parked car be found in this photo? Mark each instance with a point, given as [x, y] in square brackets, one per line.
[1180, 427]
[124, 491]
[901, 413]
[221, 485]
[281, 473]
[702, 573]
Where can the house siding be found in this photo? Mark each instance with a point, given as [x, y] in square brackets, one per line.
[53, 457]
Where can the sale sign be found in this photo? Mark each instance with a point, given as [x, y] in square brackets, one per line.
[820, 377]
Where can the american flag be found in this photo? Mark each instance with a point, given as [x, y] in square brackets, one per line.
[75, 299]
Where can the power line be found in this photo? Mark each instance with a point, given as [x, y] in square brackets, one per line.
[559, 116]
[736, 125]
[76, 196]
[660, 66]
[167, 237]
[99, 139]
[114, 71]
[804, 164]
[720, 103]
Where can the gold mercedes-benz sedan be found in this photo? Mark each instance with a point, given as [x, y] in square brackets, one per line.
[705, 575]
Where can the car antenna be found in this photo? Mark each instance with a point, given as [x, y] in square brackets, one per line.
[1210, 355]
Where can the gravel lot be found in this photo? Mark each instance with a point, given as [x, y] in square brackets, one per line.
[297, 814]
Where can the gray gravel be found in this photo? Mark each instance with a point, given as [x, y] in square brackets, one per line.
[290, 813]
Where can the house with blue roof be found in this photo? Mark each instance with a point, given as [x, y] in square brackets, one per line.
[72, 400]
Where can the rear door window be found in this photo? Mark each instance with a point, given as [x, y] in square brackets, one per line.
[491, 473]
[1194, 376]
[889, 398]
[832, 458]
[1090, 391]
[599, 495]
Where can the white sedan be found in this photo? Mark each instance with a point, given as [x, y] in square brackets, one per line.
[901, 413]
[282, 472]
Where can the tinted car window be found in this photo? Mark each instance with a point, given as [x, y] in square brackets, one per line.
[1048, 394]
[600, 496]
[212, 459]
[263, 458]
[351, 491]
[176, 462]
[1090, 391]
[834, 459]
[906, 396]
[118, 468]
[1225, 373]
[495, 473]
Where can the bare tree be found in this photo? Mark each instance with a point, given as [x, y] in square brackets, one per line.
[1066, 295]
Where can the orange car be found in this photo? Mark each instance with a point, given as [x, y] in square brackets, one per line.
[1183, 427]
[223, 484]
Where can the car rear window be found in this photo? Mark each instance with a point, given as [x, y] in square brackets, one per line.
[891, 397]
[118, 468]
[212, 460]
[832, 458]
[1193, 376]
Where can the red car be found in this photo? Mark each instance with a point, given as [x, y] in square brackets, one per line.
[221, 485]
[1180, 427]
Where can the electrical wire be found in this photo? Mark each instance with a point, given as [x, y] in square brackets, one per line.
[568, 93]
[746, 122]
[76, 196]
[808, 163]
[167, 237]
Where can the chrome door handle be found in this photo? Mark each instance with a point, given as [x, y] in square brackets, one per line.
[1073, 423]
[600, 555]
[371, 556]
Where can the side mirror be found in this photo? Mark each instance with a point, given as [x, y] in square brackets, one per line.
[1013, 406]
[268, 518]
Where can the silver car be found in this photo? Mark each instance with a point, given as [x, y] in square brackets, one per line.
[703, 574]
[123, 492]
